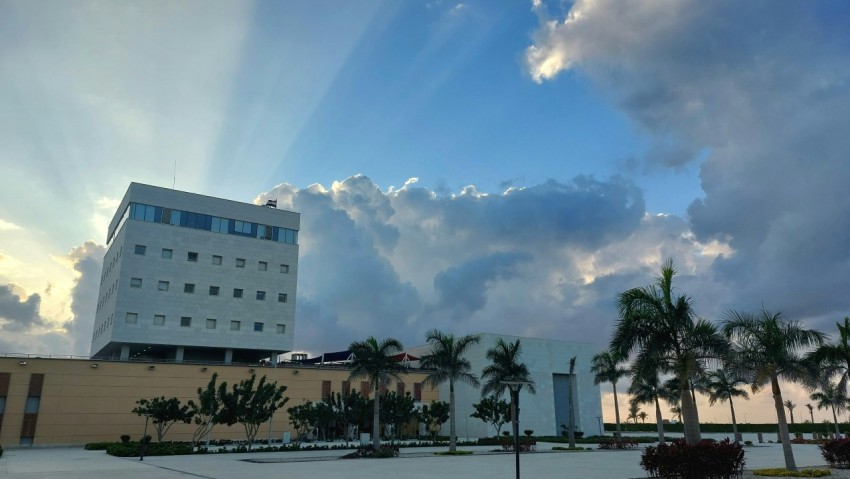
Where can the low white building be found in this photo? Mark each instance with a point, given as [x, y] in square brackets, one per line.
[544, 412]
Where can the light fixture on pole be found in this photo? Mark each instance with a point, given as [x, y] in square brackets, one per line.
[515, 387]
[599, 420]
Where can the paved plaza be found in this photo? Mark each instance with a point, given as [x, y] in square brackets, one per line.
[414, 463]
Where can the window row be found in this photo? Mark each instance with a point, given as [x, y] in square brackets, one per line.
[210, 323]
[200, 221]
[189, 288]
[218, 260]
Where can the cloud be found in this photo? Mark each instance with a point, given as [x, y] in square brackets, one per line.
[758, 96]
[7, 226]
[19, 314]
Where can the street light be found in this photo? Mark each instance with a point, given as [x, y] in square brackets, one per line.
[599, 420]
[143, 443]
[515, 386]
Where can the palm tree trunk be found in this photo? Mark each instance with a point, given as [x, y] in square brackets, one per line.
[734, 422]
[616, 409]
[690, 417]
[376, 418]
[835, 421]
[659, 421]
[783, 425]
[452, 430]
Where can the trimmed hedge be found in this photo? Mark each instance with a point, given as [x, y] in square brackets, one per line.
[779, 472]
[705, 460]
[806, 427]
[369, 452]
[836, 452]
[132, 449]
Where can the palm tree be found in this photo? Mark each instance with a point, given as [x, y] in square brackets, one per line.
[646, 388]
[505, 366]
[811, 412]
[722, 386]
[634, 410]
[663, 329]
[831, 396]
[447, 363]
[767, 349]
[372, 360]
[606, 368]
[642, 415]
[677, 410]
[835, 356]
[790, 407]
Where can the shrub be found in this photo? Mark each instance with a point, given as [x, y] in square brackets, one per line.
[97, 446]
[705, 460]
[1, 451]
[453, 453]
[561, 448]
[836, 452]
[364, 452]
[132, 449]
[779, 472]
[125, 438]
[617, 444]
[528, 432]
[748, 443]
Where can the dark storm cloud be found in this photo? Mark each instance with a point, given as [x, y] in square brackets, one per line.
[762, 94]
[19, 314]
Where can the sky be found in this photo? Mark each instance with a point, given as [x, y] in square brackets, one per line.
[502, 167]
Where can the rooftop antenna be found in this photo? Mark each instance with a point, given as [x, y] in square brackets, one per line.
[174, 180]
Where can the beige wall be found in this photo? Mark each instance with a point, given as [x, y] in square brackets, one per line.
[81, 403]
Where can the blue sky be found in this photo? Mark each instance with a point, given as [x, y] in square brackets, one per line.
[506, 167]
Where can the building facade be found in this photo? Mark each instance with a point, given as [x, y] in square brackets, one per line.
[545, 411]
[188, 277]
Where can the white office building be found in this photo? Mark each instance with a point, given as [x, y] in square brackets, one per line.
[188, 277]
[544, 412]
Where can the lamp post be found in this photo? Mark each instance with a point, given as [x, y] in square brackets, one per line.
[515, 386]
[599, 420]
[143, 443]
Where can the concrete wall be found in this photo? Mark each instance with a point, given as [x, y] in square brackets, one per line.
[81, 403]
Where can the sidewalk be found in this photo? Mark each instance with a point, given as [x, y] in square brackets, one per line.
[414, 463]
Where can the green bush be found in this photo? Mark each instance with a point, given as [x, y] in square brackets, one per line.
[364, 452]
[1, 451]
[617, 444]
[453, 453]
[707, 459]
[779, 472]
[125, 438]
[132, 449]
[836, 452]
[97, 446]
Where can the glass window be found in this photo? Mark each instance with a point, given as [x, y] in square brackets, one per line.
[159, 320]
[216, 259]
[192, 256]
[214, 290]
[188, 288]
[135, 282]
[281, 329]
[235, 325]
[258, 327]
[284, 268]
[132, 318]
[263, 266]
[166, 253]
[282, 298]
[150, 211]
[237, 292]
[185, 321]
[175, 217]
[32, 404]
[2, 404]
[211, 324]
[162, 286]
[261, 295]
[240, 262]
[140, 249]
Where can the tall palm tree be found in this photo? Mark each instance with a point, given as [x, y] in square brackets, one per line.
[790, 407]
[642, 415]
[372, 360]
[506, 366]
[723, 385]
[835, 356]
[634, 410]
[646, 388]
[663, 328]
[606, 368]
[811, 412]
[767, 348]
[447, 363]
[834, 397]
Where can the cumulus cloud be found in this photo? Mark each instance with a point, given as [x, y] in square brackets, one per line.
[19, 314]
[758, 94]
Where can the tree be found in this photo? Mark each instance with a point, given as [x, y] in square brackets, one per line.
[790, 407]
[646, 388]
[506, 366]
[664, 331]
[494, 411]
[325, 418]
[447, 363]
[303, 418]
[834, 397]
[606, 368]
[397, 410]
[811, 412]
[206, 411]
[349, 409]
[435, 415]
[835, 356]
[642, 415]
[634, 410]
[163, 413]
[722, 386]
[767, 349]
[372, 360]
[251, 406]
